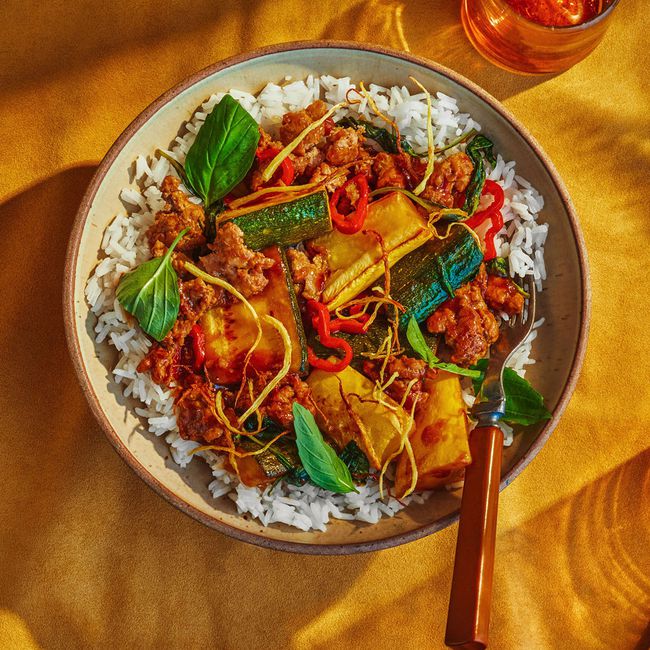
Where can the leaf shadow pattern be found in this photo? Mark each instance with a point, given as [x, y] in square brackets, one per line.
[583, 579]
[429, 29]
[90, 556]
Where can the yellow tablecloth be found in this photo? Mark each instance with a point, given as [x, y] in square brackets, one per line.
[91, 558]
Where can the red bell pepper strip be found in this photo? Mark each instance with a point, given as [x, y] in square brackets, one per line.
[490, 248]
[320, 317]
[495, 190]
[350, 325]
[493, 213]
[198, 346]
[287, 171]
[353, 222]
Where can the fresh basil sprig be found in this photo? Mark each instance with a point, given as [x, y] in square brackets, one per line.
[355, 460]
[417, 342]
[150, 293]
[477, 148]
[385, 139]
[223, 151]
[320, 461]
[498, 266]
[524, 405]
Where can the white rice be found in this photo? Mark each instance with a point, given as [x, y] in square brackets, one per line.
[124, 245]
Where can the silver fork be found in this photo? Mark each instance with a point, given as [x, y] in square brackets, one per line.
[468, 617]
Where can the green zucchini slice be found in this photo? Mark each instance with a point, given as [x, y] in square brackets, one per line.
[421, 281]
[425, 278]
[356, 261]
[285, 222]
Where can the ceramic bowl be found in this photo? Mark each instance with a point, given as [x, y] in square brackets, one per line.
[564, 303]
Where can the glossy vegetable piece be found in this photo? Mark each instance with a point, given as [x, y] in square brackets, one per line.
[283, 221]
[230, 330]
[423, 349]
[524, 405]
[259, 470]
[356, 260]
[422, 280]
[439, 438]
[375, 427]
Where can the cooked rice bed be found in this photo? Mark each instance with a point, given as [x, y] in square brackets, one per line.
[125, 246]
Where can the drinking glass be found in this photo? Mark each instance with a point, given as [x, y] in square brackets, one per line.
[507, 39]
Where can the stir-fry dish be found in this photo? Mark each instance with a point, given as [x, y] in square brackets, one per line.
[319, 299]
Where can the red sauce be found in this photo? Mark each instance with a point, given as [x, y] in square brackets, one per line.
[558, 13]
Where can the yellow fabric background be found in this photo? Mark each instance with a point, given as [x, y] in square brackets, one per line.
[92, 558]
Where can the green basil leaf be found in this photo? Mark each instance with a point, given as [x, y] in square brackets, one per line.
[223, 151]
[320, 461]
[355, 460]
[481, 144]
[498, 266]
[418, 343]
[524, 405]
[385, 139]
[150, 293]
[455, 370]
[478, 147]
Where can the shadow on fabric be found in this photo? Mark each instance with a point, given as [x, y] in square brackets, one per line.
[82, 535]
[429, 29]
[585, 566]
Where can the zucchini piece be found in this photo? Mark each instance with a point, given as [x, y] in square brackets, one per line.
[355, 261]
[421, 281]
[259, 470]
[230, 331]
[381, 428]
[284, 222]
[439, 439]
[427, 277]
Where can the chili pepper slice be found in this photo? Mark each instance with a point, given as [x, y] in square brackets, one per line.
[326, 364]
[351, 325]
[287, 171]
[198, 346]
[321, 321]
[493, 213]
[353, 222]
[490, 248]
[496, 191]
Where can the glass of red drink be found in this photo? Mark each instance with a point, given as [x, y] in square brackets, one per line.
[536, 36]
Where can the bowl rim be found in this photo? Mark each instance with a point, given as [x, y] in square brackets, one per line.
[72, 335]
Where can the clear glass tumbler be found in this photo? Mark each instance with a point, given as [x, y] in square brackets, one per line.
[507, 39]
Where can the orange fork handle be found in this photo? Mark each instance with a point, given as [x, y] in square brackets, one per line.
[471, 586]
